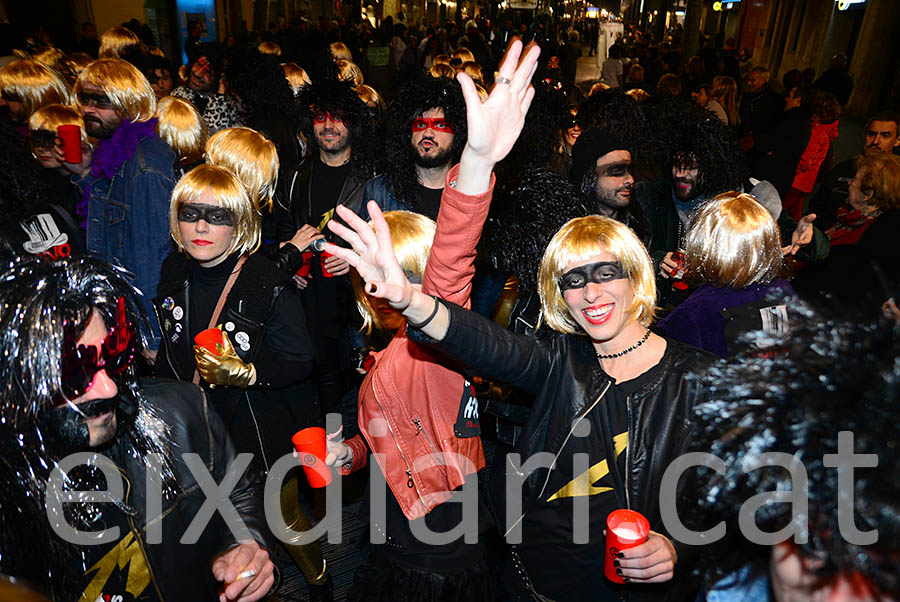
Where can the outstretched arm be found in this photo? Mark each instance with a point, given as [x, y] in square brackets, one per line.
[497, 352]
[493, 128]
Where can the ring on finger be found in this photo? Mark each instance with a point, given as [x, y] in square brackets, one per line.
[502, 80]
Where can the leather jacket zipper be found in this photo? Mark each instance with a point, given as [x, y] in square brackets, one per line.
[628, 455]
[571, 430]
[424, 432]
[410, 482]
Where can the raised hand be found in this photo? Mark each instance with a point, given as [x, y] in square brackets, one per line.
[495, 124]
[372, 255]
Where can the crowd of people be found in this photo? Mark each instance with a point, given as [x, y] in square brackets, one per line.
[503, 281]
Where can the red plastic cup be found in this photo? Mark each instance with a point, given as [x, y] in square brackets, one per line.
[680, 275]
[624, 529]
[71, 142]
[208, 339]
[303, 270]
[310, 445]
[322, 257]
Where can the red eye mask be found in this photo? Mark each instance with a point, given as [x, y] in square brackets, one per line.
[438, 124]
[321, 116]
[81, 363]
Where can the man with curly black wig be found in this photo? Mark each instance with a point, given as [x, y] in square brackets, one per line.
[338, 127]
[426, 133]
[601, 167]
[703, 160]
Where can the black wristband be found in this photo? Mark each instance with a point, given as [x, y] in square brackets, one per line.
[427, 320]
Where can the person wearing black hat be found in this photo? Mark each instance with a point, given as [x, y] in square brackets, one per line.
[601, 166]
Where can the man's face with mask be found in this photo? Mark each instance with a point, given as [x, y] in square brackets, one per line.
[101, 428]
[100, 117]
[686, 180]
[614, 183]
[432, 139]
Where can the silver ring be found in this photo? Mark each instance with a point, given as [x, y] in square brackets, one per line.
[502, 80]
[247, 573]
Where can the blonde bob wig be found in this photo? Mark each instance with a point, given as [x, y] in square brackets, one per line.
[371, 97]
[250, 156]
[33, 84]
[581, 239]
[411, 235]
[340, 51]
[230, 194]
[733, 241]
[126, 87]
[296, 76]
[269, 48]
[349, 71]
[114, 40]
[52, 116]
[182, 128]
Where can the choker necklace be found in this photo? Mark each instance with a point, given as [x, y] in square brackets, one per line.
[611, 356]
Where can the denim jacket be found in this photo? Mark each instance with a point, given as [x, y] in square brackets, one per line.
[128, 219]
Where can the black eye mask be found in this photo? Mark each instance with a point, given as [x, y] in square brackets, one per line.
[600, 272]
[43, 139]
[211, 214]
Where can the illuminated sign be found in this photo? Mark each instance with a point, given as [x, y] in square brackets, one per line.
[844, 4]
[717, 6]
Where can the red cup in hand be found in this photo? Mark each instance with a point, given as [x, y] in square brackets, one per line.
[70, 135]
[311, 447]
[624, 529]
[680, 274]
[322, 257]
[303, 270]
[208, 339]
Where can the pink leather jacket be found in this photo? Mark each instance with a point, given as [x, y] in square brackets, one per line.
[414, 405]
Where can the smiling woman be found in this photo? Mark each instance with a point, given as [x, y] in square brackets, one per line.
[602, 366]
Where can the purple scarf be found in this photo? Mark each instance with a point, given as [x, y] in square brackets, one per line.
[111, 153]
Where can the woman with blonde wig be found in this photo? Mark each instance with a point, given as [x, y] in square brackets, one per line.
[115, 40]
[183, 129]
[26, 85]
[42, 138]
[733, 248]
[600, 372]
[258, 377]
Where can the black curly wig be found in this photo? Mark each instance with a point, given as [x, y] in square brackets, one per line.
[522, 223]
[414, 98]
[685, 133]
[613, 110]
[833, 376]
[257, 81]
[338, 97]
[536, 145]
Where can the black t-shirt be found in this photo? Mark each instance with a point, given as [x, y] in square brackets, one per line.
[571, 571]
[428, 201]
[114, 571]
[325, 188]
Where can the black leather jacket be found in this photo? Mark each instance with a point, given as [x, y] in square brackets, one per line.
[563, 374]
[182, 572]
[296, 214]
